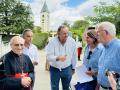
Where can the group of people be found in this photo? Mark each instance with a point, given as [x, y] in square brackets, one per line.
[100, 54]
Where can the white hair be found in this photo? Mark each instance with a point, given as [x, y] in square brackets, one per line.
[15, 38]
[108, 26]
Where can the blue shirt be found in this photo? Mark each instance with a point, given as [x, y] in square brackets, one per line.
[94, 58]
[110, 59]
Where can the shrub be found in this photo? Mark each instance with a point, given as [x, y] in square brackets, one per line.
[40, 39]
[6, 38]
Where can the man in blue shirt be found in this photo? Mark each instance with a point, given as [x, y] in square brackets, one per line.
[111, 54]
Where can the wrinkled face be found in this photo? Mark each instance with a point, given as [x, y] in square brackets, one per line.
[17, 46]
[89, 40]
[63, 34]
[101, 35]
[28, 36]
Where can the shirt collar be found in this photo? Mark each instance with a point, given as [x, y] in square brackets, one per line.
[29, 46]
[97, 47]
[60, 42]
[14, 54]
[109, 43]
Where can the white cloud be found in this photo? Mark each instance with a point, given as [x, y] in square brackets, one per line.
[59, 12]
[62, 15]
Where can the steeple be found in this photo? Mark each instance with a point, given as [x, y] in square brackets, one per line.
[44, 18]
[44, 8]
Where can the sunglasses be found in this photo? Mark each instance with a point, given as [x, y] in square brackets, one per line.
[89, 55]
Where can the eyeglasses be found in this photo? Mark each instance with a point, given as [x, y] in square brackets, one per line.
[19, 45]
[98, 32]
[89, 55]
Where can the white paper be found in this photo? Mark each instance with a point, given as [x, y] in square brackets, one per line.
[82, 76]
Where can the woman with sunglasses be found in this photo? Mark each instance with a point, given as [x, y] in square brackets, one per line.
[92, 53]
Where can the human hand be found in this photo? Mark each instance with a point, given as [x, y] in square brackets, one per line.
[73, 71]
[34, 63]
[62, 58]
[112, 81]
[90, 73]
[97, 87]
[26, 81]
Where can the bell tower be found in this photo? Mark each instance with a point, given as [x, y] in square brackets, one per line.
[44, 16]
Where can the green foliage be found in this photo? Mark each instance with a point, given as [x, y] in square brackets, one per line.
[109, 13]
[6, 38]
[80, 23]
[78, 28]
[78, 32]
[40, 39]
[14, 16]
[37, 29]
[118, 36]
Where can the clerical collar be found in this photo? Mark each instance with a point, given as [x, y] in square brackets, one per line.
[15, 54]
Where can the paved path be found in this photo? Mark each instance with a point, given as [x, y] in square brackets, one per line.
[42, 81]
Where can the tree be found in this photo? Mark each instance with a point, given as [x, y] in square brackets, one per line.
[66, 24]
[80, 23]
[105, 12]
[6, 7]
[14, 16]
[21, 17]
[79, 27]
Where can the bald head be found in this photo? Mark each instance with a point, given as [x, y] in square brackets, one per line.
[17, 44]
[16, 38]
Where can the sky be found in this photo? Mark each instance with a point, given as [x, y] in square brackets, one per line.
[63, 10]
[74, 3]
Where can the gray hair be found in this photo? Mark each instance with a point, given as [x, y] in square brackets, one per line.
[26, 30]
[107, 26]
[61, 27]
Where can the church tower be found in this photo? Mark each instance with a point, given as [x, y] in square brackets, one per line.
[44, 16]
